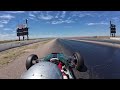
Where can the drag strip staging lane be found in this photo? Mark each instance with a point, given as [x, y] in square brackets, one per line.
[102, 61]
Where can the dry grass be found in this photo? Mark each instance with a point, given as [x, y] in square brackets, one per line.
[11, 54]
[7, 41]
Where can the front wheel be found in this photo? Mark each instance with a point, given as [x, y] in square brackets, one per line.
[31, 60]
[79, 62]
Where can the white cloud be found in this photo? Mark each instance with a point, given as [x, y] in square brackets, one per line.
[36, 12]
[116, 19]
[91, 24]
[7, 16]
[14, 31]
[15, 11]
[57, 22]
[48, 17]
[57, 15]
[74, 13]
[82, 14]
[31, 18]
[63, 14]
[4, 21]
[62, 21]
[48, 12]
[69, 21]
[101, 23]
[69, 18]
[86, 14]
[31, 15]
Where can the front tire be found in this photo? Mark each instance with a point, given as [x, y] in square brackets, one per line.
[30, 59]
[79, 61]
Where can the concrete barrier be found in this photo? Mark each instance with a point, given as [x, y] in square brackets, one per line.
[10, 45]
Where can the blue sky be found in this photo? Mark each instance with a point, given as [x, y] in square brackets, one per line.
[58, 23]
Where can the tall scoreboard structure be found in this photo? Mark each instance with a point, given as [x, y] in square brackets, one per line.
[112, 30]
[22, 30]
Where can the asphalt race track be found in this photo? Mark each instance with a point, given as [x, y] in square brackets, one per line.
[103, 62]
